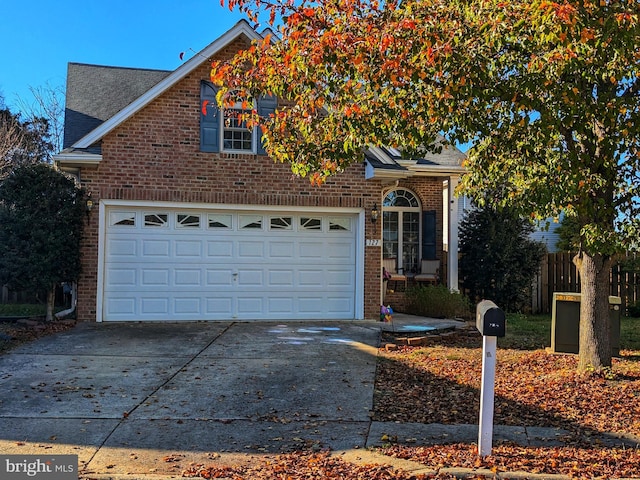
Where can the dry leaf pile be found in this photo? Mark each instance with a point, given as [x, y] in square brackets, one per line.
[441, 384]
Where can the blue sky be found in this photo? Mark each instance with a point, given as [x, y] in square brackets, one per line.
[39, 37]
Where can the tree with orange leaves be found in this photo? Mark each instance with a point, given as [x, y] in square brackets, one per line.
[546, 92]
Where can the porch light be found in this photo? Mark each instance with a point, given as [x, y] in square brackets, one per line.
[374, 213]
[89, 203]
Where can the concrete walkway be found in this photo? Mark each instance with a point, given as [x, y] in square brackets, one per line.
[136, 400]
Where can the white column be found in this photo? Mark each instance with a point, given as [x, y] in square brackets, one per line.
[452, 208]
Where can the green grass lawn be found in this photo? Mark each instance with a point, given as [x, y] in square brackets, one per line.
[534, 331]
[27, 310]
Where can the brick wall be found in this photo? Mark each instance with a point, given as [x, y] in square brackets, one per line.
[154, 156]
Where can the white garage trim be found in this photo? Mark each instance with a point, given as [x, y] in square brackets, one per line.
[107, 206]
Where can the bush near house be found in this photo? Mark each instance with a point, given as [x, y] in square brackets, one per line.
[437, 301]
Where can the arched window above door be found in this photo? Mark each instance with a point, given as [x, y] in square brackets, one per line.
[401, 198]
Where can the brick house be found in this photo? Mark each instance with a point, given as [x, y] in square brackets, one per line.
[191, 221]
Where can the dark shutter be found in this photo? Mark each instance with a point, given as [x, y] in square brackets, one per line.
[266, 106]
[429, 235]
[209, 123]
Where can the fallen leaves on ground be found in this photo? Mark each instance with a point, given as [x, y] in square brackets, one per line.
[570, 461]
[301, 466]
[441, 384]
[14, 334]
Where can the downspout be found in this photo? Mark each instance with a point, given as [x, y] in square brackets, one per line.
[74, 301]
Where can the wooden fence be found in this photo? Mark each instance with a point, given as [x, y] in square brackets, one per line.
[559, 274]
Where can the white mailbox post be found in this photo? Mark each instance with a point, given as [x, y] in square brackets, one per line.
[490, 321]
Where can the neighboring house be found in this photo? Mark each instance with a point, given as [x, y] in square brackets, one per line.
[191, 221]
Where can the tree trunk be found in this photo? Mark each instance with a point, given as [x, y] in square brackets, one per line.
[595, 327]
[51, 300]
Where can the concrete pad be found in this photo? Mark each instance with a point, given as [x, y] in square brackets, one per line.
[437, 434]
[266, 388]
[140, 445]
[311, 339]
[130, 339]
[60, 436]
[56, 385]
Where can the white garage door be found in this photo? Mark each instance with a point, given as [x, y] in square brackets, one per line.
[173, 264]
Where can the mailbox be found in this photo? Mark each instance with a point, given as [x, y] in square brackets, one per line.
[490, 319]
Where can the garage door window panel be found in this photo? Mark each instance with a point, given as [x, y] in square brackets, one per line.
[281, 223]
[342, 224]
[250, 222]
[220, 221]
[122, 219]
[188, 221]
[311, 224]
[156, 220]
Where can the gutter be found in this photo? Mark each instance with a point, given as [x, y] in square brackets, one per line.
[74, 302]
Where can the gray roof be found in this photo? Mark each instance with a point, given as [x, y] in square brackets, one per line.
[96, 93]
[391, 160]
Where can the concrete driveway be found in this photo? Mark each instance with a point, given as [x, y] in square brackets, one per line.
[151, 398]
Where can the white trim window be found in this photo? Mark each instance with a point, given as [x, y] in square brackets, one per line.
[236, 135]
[229, 132]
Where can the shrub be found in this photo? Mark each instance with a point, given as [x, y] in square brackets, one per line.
[633, 309]
[499, 260]
[437, 301]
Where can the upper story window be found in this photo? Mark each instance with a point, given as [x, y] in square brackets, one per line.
[236, 135]
[227, 131]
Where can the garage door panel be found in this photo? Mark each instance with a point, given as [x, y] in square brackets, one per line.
[154, 306]
[311, 305]
[339, 305]
[123, 248]
[340, 250]
[283, 306]
[206, 273]
[120, 276]
[281, 250]
[310, 251]
[220, 306]
[310, 277]
[281, 278]
[154, 277]
[250, 306]
[187, 277]
[188, 248]
[156, 248]
[121, 306]
[249, 249]
[187, 305]
[220, 249]
[250, 278]
[340, 277]
[218, 277]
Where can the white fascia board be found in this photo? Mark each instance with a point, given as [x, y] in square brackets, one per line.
[95, 135]
[385, 173]
[436, 170]
[77, 159]
[228, 207]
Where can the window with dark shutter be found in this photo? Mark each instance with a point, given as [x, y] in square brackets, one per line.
[266, 107]
[209, 118]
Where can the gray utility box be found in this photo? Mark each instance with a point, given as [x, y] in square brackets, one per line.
[565, 323]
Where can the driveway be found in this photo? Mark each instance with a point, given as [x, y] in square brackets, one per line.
[150, 398]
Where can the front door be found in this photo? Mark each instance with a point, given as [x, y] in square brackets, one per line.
[401, 229]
